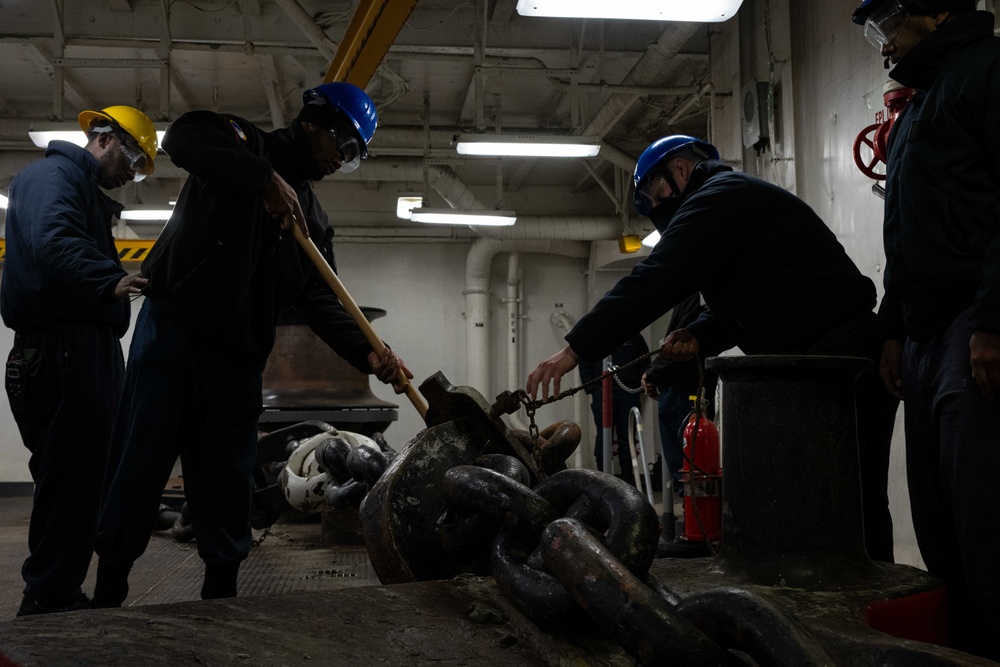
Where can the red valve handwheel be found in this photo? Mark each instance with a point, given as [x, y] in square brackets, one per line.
[867, 137]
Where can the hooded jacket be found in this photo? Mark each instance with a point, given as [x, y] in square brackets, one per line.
[776, 280]
[61, 264]
[222, 267]
[942, 203]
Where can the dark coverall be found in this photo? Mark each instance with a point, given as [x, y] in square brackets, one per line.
[776, 281]
[65, 371]
[942, 282]
[220, 275]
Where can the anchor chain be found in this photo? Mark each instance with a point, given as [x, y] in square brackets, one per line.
[571, 545]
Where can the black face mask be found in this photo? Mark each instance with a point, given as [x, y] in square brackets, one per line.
[664, 212]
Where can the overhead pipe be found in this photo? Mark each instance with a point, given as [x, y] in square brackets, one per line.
[579, 228]
[309, 28]
[646, 70]
[694, 99]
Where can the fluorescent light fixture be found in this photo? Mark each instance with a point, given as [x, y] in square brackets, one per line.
[651, 239]
[3, 201]
[454, 216]
[41, 138]
[707, 11]
[147, 214]
[405, 205]
[527, 145]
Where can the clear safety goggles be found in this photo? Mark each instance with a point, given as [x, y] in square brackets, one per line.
[347, 144]
[647, 189]
[136, 159]
[884, 23]
[134, 155]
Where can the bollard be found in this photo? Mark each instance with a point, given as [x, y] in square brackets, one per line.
[791, 489]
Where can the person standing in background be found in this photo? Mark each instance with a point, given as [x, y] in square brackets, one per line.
[64, 293]
[940, 316]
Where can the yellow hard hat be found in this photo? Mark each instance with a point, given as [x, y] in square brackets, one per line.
[132, 121]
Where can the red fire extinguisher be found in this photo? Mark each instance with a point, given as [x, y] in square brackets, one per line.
[702, 477]
[876, 136]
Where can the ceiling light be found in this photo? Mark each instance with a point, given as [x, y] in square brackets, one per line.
[147, 214]
[527, 145]
[709, 11]
[454, 216]
[651, 239]
[3, 201]
[405, 206]
[41, 138]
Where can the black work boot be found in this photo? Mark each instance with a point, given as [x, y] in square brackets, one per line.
[220, 581]
[32, 607]
[111, 587]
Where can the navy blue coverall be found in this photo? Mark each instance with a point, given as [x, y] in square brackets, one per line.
[65, 371]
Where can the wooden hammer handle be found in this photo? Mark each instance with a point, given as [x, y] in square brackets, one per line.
[351, 307]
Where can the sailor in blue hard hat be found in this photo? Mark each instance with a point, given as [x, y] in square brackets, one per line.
[659, 175]
[349, 114]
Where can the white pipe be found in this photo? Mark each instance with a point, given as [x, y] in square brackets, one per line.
[576, 228]
[514, 332]
[477, 298]
[650, 66]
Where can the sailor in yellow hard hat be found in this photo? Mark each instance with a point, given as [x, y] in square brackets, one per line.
[64, 293]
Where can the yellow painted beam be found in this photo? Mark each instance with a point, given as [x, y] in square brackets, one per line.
[373, 29]
[129, 250]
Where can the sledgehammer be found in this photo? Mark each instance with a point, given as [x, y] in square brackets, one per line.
[349, 304]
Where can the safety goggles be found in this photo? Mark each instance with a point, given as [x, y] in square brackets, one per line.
[884, 23]
[347, 143]
[647, 189]
[134, 156]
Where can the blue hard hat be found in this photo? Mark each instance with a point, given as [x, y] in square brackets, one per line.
[919, 7]
[861, 14]
[353, 102]
[660, 150]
